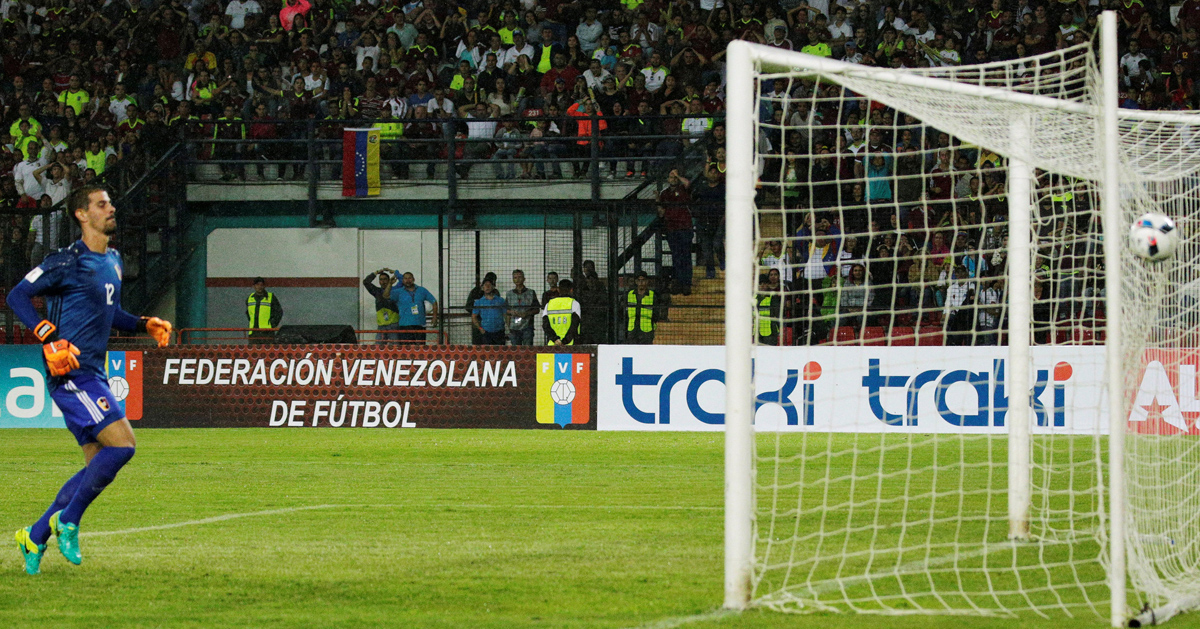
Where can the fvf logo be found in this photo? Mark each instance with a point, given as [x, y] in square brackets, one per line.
[990, 393]
[1156, 403]
[628, 381]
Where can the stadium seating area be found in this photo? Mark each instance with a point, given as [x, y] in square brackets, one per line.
[103, 90]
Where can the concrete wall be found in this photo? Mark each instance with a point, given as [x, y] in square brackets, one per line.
[316, 273]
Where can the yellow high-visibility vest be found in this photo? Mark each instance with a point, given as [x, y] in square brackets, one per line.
[765, 323]
[641, 311]
[559, 310]
[260, 311]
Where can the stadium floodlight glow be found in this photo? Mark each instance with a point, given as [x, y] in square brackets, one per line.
[1098, 513]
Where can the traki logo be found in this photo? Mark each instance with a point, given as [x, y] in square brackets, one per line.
[628, 380]
[990, 392]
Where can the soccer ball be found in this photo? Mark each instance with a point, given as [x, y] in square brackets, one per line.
[562, 392]
[1153, 237]
[119, 388]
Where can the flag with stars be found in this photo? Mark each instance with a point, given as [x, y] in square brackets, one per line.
[360, 162]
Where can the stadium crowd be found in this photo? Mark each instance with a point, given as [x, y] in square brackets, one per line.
[90, 88]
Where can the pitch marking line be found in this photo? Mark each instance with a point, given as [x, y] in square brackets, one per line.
[219, 518]
[671, 623]
[269, 512]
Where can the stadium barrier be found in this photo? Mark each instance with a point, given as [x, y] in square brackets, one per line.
[325, 386]
[608, 387]
[874, 389]
[234, 336]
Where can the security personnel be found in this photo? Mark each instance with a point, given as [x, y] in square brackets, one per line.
[769, 298]
[641, 315]
[561, 317]
[390, 133]
[263, 310]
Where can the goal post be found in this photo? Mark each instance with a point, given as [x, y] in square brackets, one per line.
[739, 313]
[942, 364]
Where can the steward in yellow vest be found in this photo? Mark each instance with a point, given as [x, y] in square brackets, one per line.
[263, 310]
[641, 316]
[769, 299]
[561, 317]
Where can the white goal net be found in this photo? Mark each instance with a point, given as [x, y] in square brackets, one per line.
[928, 322]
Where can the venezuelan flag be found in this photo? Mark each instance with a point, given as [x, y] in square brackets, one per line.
[124, 371]
[360, 162]
[564, 385]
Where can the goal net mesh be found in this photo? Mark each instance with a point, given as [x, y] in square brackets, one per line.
[881, 224]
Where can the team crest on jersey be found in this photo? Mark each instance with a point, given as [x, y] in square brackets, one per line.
[102, 402]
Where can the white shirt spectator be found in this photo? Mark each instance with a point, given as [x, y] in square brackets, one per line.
[589, 35]
[655, 77]
[712, 5]
[398, 106]
[924, 36]
[1131, 65]
[898, 24]
[313, 82]
[434, 105]
[596, 81]
[988, 317]
[843, 30]
[27, 184]
[57, 191]
[781, 263]
[238, 10]
[820, 5]
[647, 37]
[477, 128]
[956, 296]
[362, 52]
[510, 55]
[39, 230]
[118, 106]
[814, 269]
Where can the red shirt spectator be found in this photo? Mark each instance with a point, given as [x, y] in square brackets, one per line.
[673, 206]
[567, 73]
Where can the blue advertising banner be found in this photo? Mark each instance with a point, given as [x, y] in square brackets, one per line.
[24, 401]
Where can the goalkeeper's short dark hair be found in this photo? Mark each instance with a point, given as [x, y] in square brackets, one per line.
[79, 199]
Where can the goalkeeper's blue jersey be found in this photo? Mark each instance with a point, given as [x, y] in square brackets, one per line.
[82, 290]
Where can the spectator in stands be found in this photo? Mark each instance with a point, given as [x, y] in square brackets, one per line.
[551, 288]
[523, 307]
[854, 297]
[469, 307]
[487, 315]
[673, 209]
[411, 303]
[989, 301]
[387, 315]
[594, 306]
[958, 313]
[708, 212]
[481, 127]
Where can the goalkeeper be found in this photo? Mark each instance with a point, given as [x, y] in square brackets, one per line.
[82, 288]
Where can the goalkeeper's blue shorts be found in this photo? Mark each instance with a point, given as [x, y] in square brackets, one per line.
[87, 405]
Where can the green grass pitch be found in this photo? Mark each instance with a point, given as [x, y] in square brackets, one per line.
[467, 528]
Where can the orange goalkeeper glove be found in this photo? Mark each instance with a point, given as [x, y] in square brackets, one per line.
[60, 357]
[158, 329]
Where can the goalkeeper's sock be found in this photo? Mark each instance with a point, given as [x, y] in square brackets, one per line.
[99, 473]
[40, 531]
